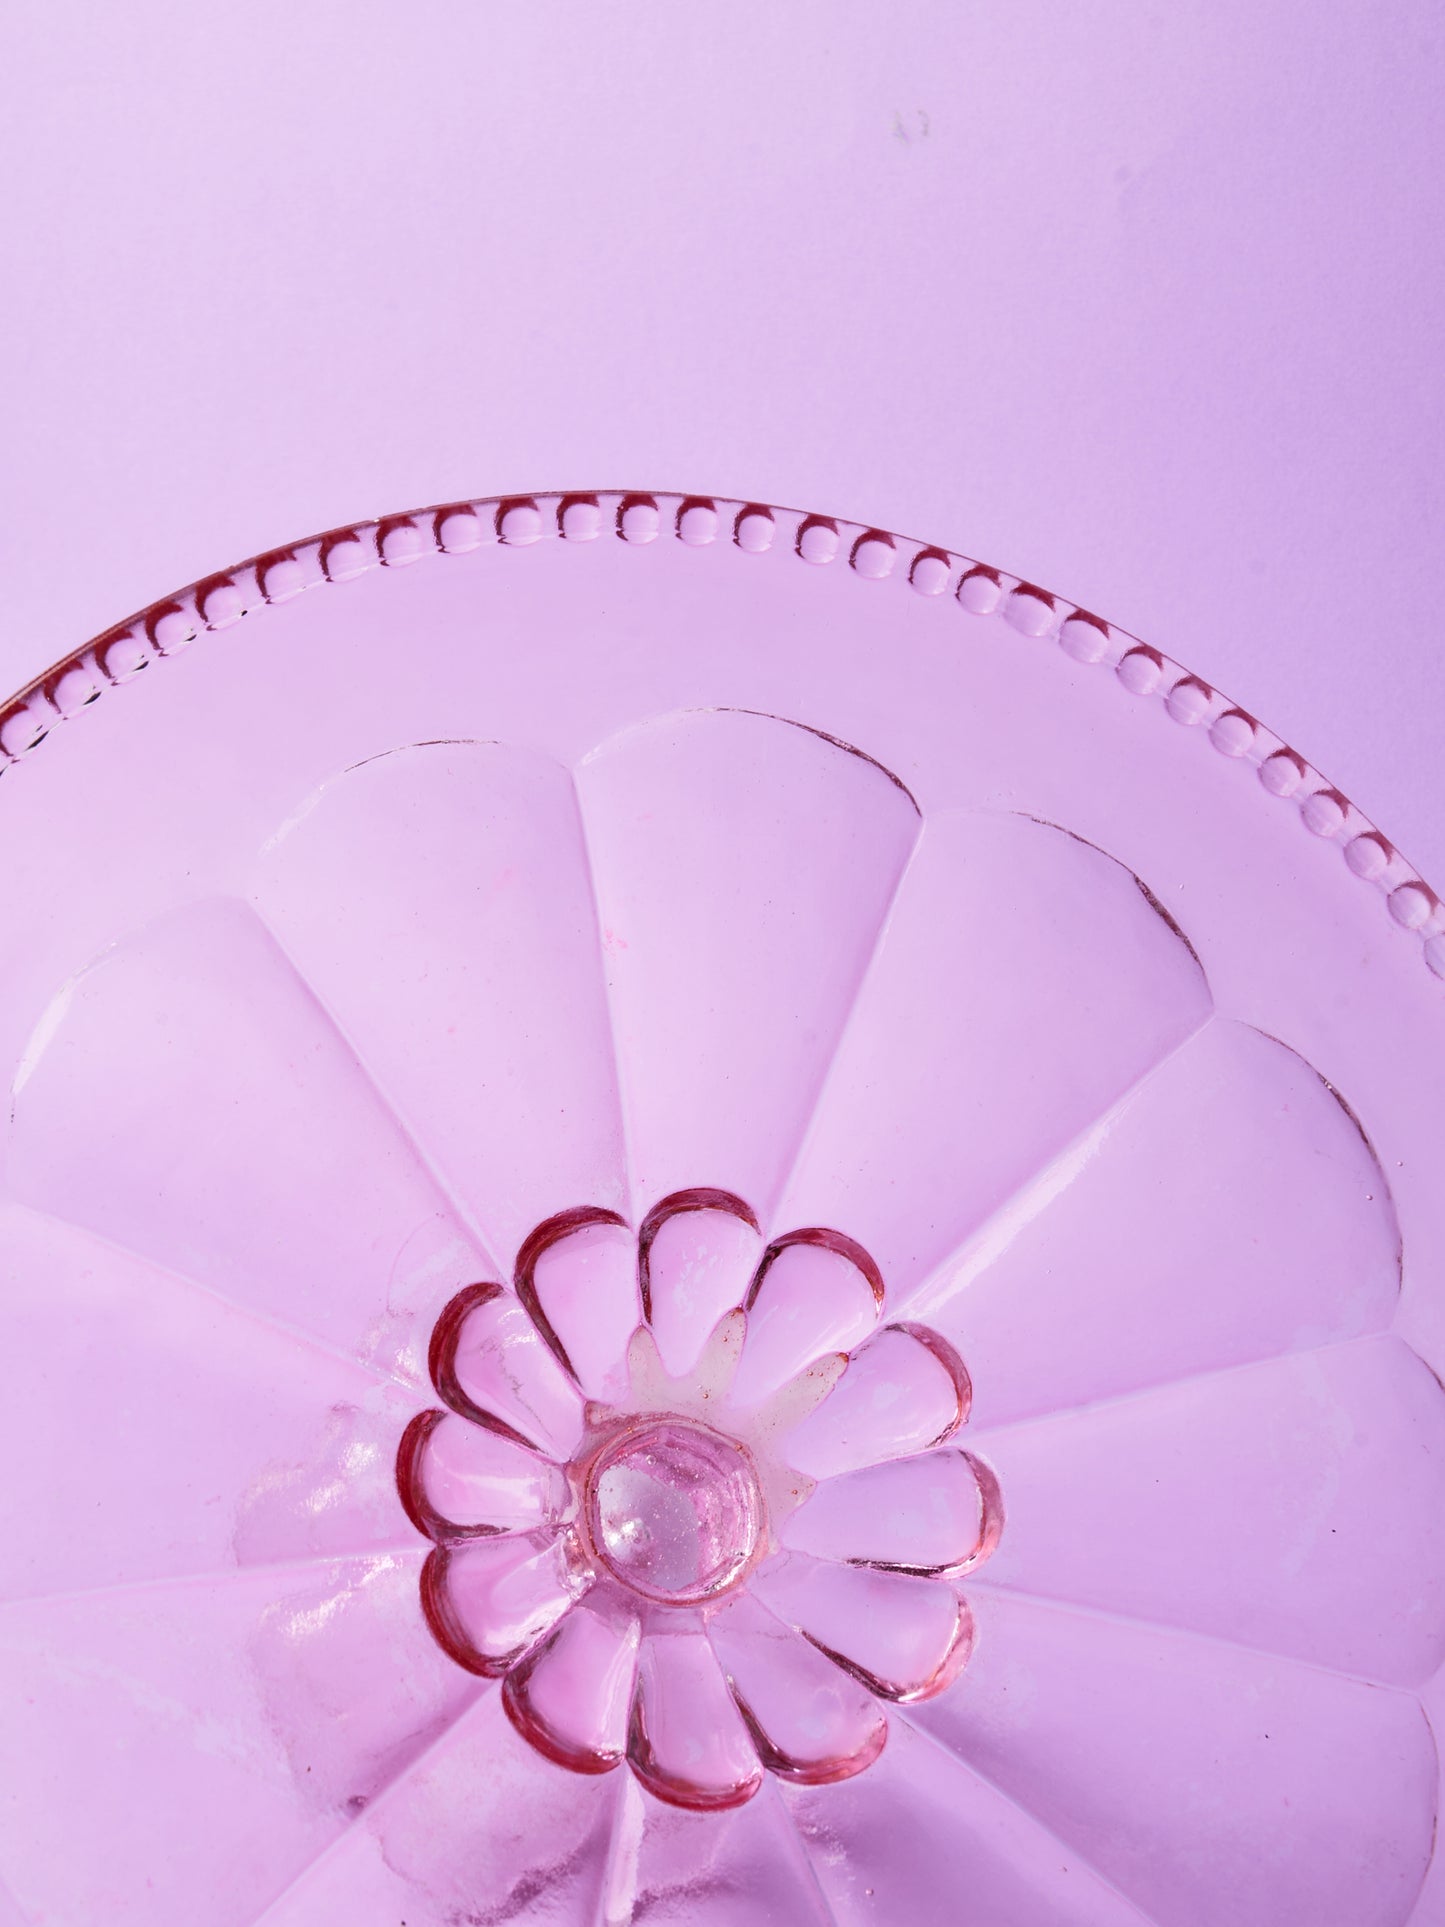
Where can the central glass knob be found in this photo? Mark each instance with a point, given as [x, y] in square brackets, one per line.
[673, 1510]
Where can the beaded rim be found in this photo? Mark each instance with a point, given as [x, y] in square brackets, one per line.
[121, 652]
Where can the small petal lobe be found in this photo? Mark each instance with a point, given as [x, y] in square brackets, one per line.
[457, 1479]
[936, 1513]
[570, 1697]
[577, 1278]
[697, 1252]
[488, 1600]
[815, 1291]
[811, 1722]
[903, 1392]
[688, 1742]
[490, 1364]
[904, 1636]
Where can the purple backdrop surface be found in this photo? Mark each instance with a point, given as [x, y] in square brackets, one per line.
[1137, 302]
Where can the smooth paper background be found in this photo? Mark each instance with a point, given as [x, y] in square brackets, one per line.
[1139, 301]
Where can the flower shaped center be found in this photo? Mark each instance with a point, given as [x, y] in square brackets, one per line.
[694, 1503]
[673, 1510]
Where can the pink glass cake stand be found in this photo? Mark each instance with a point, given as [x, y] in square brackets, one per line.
[709, 1218]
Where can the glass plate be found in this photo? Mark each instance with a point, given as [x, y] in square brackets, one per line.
[710, 1218]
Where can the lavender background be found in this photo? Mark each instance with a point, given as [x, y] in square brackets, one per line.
[1140, 301]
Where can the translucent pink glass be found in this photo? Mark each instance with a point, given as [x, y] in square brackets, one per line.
[672, 1510]
[707, 1218]
[655, 1571]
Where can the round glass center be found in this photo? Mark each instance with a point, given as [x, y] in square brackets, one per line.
[674, 1510]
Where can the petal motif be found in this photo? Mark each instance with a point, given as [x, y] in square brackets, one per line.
[226, 1131]
[1169, 1761]
[1292, 1506]
[688, 1743]
[438, 898]
[489, 1363]
[810, 1721]
[905, 1390]
[697, 1252]
[1228, 1210]
[815, 1292]
[571, 1696]
[487, 1601]
[1011, 945]
[577, 1277]
[939, 1512]
[458, 1479]
[744, 867]
[904, 1636]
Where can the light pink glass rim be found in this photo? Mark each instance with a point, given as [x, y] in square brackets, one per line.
[870, 554]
